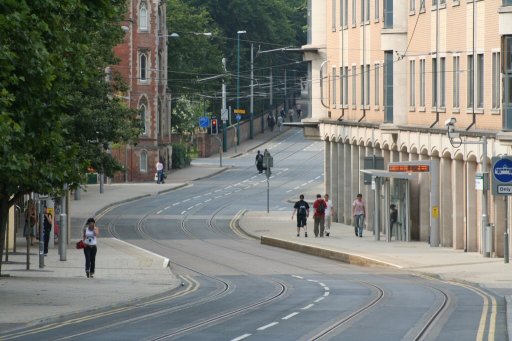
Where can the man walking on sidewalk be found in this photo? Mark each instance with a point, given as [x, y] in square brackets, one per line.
[319, 216]
[302, 209]
[329, 213]
[358, 212]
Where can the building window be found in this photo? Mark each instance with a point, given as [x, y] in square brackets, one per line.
[377, 9]
[143, 164]
[333, 16]
[143, 17]
[365, 11]
[480, 81]
[377, 83]
[470, 81]
[142, 114]
[434, 82]
[344, 12]
[496, 80]
[388, 13]
[345, 85]
[442, 82]
[354, 84]
[507, 81]
[456, 82]
[365, 85]
[341, 86]
[388, 86]
[422, 83]
[334, 86]
[412, 83]
[507, 2]
[362, 86]
[422, 5]
[354, 11]
[143, 67]
[412, 5]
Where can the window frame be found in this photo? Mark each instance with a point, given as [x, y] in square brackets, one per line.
[496, 80]
[354, 86]
[422, 81]
[377, 86]
[143, 66]
[143, 18]
[143, 166]
[412, 84]
[456, 82]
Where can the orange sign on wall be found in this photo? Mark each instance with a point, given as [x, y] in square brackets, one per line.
[409, 168]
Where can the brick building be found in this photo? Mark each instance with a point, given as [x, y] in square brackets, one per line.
[385, 75]
[143, 66]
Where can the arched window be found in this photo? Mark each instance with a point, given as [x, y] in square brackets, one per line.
[143, 161]
[143, 17]
[143, 67]
[142, 113]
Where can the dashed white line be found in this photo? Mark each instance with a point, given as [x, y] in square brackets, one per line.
[322, 284]
[245, 180]
[296, 187]
[299, 277]
[241, 337]
[319, 299]
[252, 177]
[209, 193]
[326, 288]
[208, 200]
[218, 196]
[218, 190]
[308, 306]
[159, 212]
[176, 203]
[183, 212]
[191, 207]
[268, 326]
[312, 280]
[290, 316]
[326, 294]
[197, 196]
[318, 177]
[238, 190]
[186, 200]
[199, 204]
[228, 187]
[167, 207]
[288, 191]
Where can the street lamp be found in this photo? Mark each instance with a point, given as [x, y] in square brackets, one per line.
[238, 82]
[452, 135]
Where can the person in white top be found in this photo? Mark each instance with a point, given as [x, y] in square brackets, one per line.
[358, 212]
[160, 172]
[329, 213]
[90, 238]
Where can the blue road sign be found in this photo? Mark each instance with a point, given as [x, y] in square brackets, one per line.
[502, 170]
[238, 118]
[204, 122]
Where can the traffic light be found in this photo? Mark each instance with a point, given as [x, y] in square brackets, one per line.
[214, 128]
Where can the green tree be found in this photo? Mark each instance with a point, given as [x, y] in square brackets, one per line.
[55, 108]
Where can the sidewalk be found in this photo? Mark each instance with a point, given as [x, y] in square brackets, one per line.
[31, 296]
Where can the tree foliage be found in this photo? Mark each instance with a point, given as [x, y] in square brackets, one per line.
[56, 107]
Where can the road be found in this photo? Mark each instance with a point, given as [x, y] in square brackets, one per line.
[237, 289]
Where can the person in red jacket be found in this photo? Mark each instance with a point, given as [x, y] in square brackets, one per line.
[319, 207]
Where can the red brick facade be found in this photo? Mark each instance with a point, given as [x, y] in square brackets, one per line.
[143, 66]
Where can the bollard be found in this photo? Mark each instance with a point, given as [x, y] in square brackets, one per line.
[488, 241]
[505, 246]
[63, 236]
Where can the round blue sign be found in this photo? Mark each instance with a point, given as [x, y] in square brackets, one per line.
[204, 122]
[238, 118]
[503, 170]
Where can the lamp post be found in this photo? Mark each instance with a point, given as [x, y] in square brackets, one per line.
[450, 126]
[238, 82]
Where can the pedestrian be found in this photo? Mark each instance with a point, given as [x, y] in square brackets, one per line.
[160, 172]
[358, 212]
[298, 111]
[90, 238]
[259, 162]
[302, 209]
[290, 114]
[47, 229]
[30, 230]
[393, 218]
[270, 121]
[319, 216]
[329, 213]
[279, 122]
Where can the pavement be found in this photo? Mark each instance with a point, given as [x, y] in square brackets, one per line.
[32, 296]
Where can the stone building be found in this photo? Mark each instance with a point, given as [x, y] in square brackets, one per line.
[143, 66]
[385, 76]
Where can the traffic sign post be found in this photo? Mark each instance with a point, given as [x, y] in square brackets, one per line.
[502, 185]
[268, 163]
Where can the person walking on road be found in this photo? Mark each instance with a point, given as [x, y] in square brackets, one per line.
[302, 209]
[47, 229]
[329, 213]
[319, 217]
[90, 238]
[393, 218]
[259, 162]
[358, 212]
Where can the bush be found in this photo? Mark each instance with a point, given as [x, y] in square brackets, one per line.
[180, 158]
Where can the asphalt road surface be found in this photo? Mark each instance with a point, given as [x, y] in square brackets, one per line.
[236, 289]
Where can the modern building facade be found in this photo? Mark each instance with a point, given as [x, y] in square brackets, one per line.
[143, 66]
[385, 75]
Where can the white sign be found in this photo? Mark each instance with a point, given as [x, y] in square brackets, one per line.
[479, 183]
[373, 185]
[504, 189]
[224, 114]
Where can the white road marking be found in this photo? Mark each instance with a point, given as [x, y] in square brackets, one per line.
[268, 326]
[218, 190]
[209, 193]
[167, 207]
[290, 316]
[186, 200]
[318, 177]
[191, 207]
[208, 200]
[319, 299]
[231, 186]
[197, 196]
[326, 288]
[183, 212]
[199, 204]
[159, 212]
[296, 187]
[176, 203]
[299, 277]
[253, 177]
[245, 180]
[217, 197]
[326, 294]
[288, 191]
[241, 337]
[308, 306]
[238, 190]
[312, 280]
[310, 181]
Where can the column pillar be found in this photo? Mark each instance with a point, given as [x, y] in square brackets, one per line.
[327, 165]
[333, 190]
[369, 197]
[424, 179]
[414, 203]
[457, 187]
[354, 169]
[340, 194]
[347, 209]
[471, 208]
[446, 203]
